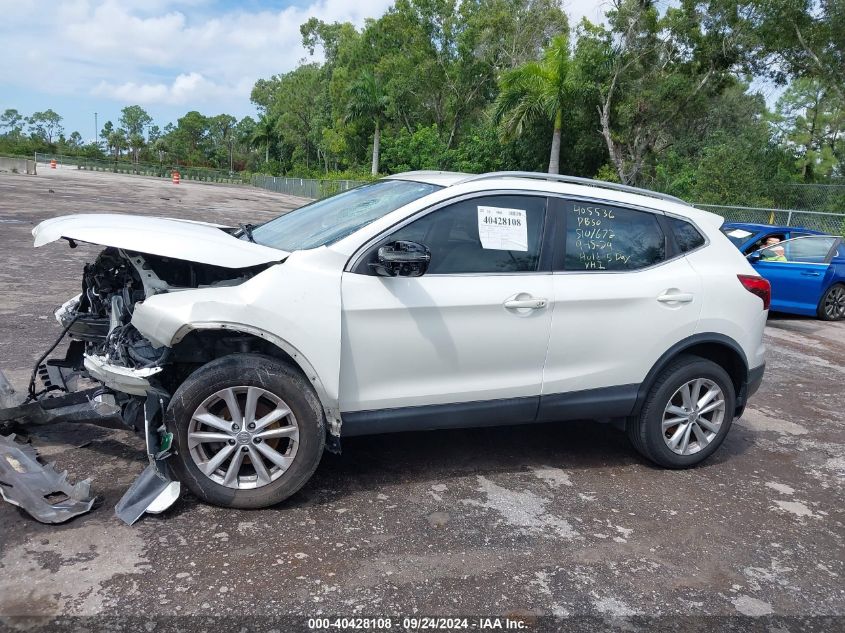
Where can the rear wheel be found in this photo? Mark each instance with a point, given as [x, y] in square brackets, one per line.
[248, 431]
[832, 304]
[686, 415]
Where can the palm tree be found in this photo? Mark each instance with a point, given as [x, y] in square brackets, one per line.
[117, 139]
[265, 131]
[136, 142]
[541, 89]
[160, 147]
[368, 102]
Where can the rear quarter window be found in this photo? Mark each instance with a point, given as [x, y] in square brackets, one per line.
[687, 237]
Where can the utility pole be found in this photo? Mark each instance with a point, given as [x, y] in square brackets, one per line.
[96, 131]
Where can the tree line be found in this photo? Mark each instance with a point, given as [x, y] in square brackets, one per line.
[655, 96]
[221, 141]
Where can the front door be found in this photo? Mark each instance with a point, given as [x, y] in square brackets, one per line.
[473, 330]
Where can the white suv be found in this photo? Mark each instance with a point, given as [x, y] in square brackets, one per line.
[426, 300]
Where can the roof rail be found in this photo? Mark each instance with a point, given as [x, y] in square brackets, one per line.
[576, 180]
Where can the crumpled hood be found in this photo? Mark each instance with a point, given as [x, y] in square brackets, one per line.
[198, 242]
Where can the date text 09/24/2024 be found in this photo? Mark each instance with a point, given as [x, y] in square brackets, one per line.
[418, 623]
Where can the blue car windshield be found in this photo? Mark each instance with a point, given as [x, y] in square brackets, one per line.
[331, 219]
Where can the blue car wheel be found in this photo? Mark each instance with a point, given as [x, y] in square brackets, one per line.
[832, 304]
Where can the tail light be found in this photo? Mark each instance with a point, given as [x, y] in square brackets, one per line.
[757, 286]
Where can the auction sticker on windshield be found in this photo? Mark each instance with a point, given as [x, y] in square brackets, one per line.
[503, 229]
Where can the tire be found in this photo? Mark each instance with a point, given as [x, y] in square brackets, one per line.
[646, 432]
[274, 387]
[832, 304]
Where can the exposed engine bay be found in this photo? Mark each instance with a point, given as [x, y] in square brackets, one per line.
[111, 287]
[72, 389]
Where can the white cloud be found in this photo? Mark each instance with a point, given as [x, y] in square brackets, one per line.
[167, 53]
[179, 52]
[593, 10]
[185, 89]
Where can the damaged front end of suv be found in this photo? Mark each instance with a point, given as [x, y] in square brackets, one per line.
[111, 374]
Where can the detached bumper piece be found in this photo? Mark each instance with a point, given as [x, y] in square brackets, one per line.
[38, 488]
[42, 491]
[153, 491]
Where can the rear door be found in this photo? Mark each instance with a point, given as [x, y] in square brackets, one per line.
[622, 296]
[797, 269]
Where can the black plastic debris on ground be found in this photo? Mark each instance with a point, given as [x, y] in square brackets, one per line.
[38, 488]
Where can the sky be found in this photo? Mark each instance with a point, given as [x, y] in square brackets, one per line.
[79, 57]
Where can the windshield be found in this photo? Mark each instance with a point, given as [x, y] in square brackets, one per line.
[736, 235]
[329, 220]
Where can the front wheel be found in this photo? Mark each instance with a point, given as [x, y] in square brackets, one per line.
[686, 415]
[832, 304]
[248, 431]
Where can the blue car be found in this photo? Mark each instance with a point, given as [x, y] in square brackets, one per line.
[806, 268]
[748, 237]
[807, 275]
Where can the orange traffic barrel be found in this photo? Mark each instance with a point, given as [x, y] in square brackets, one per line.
[52, 163]
[175, 177]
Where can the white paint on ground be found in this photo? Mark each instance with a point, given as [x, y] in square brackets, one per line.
[523, 510]
[760, 420]
[541, 581]
[613, 607]
[747, 605]
[776, 574]
[836, 464]
[625, 532]
[554, 477]
[795, 507]
[436, 489]
[781, 488]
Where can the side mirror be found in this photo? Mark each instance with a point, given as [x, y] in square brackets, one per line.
[402, 259]
[754, 257]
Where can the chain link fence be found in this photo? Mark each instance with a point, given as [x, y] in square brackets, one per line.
[305, 187]
[833, 223]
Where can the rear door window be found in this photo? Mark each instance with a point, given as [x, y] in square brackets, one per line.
[601, 237]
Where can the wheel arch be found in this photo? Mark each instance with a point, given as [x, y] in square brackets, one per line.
[202, 342]
[718, 348]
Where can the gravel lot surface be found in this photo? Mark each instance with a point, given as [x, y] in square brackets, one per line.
[563, 520]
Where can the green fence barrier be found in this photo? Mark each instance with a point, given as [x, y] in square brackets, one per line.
[162, 170]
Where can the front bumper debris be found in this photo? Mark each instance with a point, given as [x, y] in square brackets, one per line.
[29, 484]
[38, 488]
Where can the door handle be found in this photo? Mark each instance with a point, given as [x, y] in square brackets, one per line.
[676, 297]
[531, 304]
[810, 273]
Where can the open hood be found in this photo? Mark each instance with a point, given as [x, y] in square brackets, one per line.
[180, 239]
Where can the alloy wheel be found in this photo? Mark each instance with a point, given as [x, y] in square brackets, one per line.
[693, 416]
[243, 437]
[834, 303]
